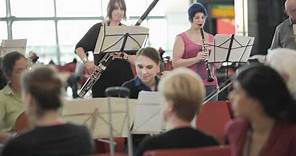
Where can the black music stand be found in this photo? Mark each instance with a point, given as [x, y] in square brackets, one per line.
[127, 39]
[229, 49]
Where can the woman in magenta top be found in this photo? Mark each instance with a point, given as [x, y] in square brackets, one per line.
[188, 47]
[266, 114]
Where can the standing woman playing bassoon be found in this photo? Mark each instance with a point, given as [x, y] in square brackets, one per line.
[119, 70]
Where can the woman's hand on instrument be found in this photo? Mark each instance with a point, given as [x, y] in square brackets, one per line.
[206, 53]
[201, 56]
[90, 67]
[120, 55]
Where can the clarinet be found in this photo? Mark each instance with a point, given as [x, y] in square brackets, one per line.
[99, 69]
[208, 68]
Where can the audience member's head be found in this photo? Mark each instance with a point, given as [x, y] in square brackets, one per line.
[290, 7]
[196, 8]
[283, 60]
[183, 92]
[259, 90]
[147, 65]
[42, 90]
[14, 63]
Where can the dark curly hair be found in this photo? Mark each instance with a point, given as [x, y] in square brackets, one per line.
[264, 84]
[195, 8]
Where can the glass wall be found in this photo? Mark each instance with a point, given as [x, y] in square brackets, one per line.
[32, 8]
[3, 30]
[53, 27]
[70, 32]
[79, 8]
[2, 8]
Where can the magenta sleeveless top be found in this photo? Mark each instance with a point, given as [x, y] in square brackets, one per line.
[191, 49]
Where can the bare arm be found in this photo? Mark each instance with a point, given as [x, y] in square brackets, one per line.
[89, 65]
[178, 52]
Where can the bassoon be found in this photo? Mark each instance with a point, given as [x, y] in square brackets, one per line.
[103, 63]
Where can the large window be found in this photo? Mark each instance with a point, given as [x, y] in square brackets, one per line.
[2, 8]
[160, 8]
[70, 32]
[37, 32]
[32, 8]
[79, 8]
[135, 8]
[3, 30]
[157, 35]
[40, 37]
[53, 27]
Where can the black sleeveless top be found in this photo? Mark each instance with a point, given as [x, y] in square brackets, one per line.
[116, 73]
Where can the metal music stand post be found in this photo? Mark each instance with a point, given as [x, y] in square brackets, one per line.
[123, 93]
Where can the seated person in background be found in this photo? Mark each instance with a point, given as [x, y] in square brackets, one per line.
[42, 90]
[182, 102]
[283, 60]
[75, 78]
[2, 77]
[11, 107]
[266, 114]
[33, 58]
[147, 67]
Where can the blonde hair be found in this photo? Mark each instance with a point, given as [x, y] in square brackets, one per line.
[283, 61]
[185, 89]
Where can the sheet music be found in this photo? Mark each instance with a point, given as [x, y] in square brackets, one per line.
[110, 38]
[81, 111]
[240, 50]
[13, 45]
[219, 53]
[148, 114]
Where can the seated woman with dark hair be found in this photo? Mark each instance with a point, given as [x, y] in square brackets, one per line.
[182, 101]
[147, 67]
[3, 80]
[42, 90]
[11, 107]
[266, 114]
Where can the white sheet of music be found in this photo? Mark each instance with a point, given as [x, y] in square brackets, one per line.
[240, 50]
[110, 38]
[81, 111]
[148, 115]
[13, 45]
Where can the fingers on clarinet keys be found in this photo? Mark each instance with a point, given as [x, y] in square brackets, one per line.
[90, 67]
[200, 57]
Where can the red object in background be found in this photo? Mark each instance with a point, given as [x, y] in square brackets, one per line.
[213, 117]
[198, 151]
[69, 67]
[225, 26]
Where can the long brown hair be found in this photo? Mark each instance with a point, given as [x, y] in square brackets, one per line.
[111, 7]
